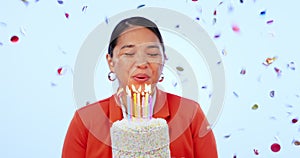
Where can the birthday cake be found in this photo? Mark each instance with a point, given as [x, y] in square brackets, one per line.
[140, 138]
[138, 134]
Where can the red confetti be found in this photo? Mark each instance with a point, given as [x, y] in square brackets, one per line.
[60, 71]
[215, 12]
[275, 147]
[14, 39]
[278, 71]
[256, 152]
[67, 15]
[235, 28]
[295, 120]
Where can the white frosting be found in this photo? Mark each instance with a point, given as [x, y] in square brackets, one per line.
[143, 138]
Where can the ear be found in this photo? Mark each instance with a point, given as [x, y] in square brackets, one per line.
[110, 62]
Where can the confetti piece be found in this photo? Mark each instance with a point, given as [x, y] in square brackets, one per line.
[53, 84]
[294, 120]
[60, 2]
[234, 156]
[254, 107]
[25, 2]
[224, 52]
[3, 24]
[140, 6]
[179, 68]
[214, 21]
[197, 18]
[175, 84]
[227, 136]
[84, 8]
[235, 94]
[263, 12]
[242, 1]
[255, 151]
[106, 20]
[23, 31]
[219, 62]
[296, 142]
[235, 28]
[177, 26]
[291, 65]
[275, 147]
[269, 61]
[1, 44]
[217, 35]
[278, 71]
[14, 39]
[270, 21]
[243, 72]
[230, 8]
[67, 15]
[215, 12]
[272, 94]
[204, 87]
[194, 0]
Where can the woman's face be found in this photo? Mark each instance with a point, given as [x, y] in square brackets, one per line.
[137, 58]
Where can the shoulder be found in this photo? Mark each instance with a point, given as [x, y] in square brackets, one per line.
[176, 100]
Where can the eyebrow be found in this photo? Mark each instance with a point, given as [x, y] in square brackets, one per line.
[127, 46]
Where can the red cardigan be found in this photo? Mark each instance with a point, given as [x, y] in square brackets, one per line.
[190, 136]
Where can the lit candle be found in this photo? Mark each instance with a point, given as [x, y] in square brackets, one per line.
[146, 103]
[143, 104]
[128, 98]
[139, 102]
[150, 106]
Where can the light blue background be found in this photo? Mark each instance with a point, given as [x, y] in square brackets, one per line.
[37, 104]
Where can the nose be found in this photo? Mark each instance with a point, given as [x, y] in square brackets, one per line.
[141, 61]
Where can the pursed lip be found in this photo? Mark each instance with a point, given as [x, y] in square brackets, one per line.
[141, 77]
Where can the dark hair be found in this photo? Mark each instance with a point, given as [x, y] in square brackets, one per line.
[128, 23]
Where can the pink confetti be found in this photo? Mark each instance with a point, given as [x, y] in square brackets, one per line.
[67, 15]
[243, 72]
[294, 120]
[14, 39]
[194, 0]
[275, 147]
[255, 151]
[270, 21]
[235, 28]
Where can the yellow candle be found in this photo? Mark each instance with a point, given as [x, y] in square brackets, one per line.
[134, 104]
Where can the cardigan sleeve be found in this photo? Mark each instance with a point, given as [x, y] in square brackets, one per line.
[76, 139]
[203, 138]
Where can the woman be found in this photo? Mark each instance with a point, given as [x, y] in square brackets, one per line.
[136, 56]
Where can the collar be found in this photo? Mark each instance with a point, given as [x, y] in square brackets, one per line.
[161, 107]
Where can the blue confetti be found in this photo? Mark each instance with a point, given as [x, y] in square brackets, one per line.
[272, 94]
[235, 94]
[140, 6]
[106, 20]
[263, 12]
[60, 2]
